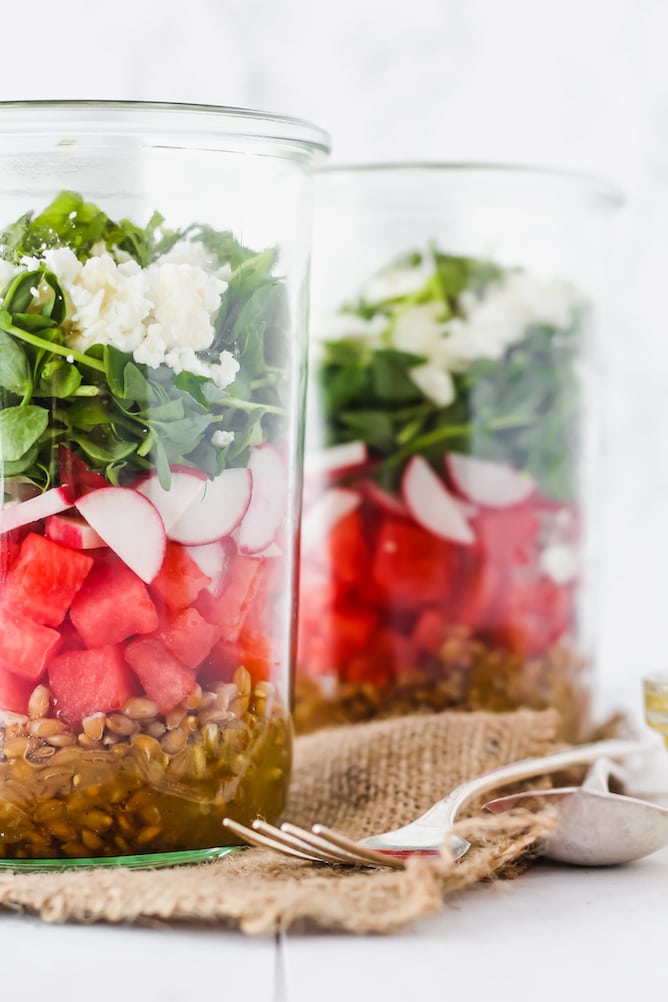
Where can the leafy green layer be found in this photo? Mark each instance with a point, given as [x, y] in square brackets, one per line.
[122, 417]
[523, 409]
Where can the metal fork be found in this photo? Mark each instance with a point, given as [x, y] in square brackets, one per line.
[427, 834]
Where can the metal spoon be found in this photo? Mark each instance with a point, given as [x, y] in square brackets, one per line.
[596, 827]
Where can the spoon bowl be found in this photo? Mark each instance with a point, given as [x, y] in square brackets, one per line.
[595, 827]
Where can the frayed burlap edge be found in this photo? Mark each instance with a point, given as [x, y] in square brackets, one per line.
[404, 765]
[260, 892]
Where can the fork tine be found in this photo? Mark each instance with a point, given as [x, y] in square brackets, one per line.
[354, 848]
[334, 853]
[294, 840]
[262, 841]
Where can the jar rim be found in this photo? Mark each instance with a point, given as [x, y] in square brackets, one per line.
[599, 187]
[109, 117]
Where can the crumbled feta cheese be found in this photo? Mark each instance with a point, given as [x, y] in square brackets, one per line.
[226, 371]
[109, 304]
[162, 314]
[184, 299]
[434, 382]
[499, 318]
[222, 438]
[187, 252]
[420, 330]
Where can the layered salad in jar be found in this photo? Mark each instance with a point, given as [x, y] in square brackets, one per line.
[442, 531]
[143, 571]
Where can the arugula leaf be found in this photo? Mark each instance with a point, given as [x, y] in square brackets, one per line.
[20, 429]
[224, 247]
[15, 373]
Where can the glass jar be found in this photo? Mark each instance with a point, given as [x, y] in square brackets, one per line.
[451, 461]
[153, 267]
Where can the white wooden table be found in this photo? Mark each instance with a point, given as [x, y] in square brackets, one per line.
[555, 934]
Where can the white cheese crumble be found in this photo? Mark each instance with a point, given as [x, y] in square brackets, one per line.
[222, 438]
[162, 315]
[490, 324]
[436, 384]
[421, 329]
[499, 317]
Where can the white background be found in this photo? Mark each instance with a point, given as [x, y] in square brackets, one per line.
[578, 84]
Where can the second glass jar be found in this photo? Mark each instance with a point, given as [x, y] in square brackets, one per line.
[452, 442]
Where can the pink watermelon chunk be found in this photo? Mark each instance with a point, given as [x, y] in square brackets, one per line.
[14, 692]
[163, 678]
[180, 580]
[188, 636]
[45, 579]
[25, 647]
[113, 604]
[91, 681]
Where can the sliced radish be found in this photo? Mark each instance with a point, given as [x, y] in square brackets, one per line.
[212, 559]
[432, 505]
[495, 485]
[387, 502]
[335, 459]
[186, 486]
[323, 514]
[130, 525]
[73, 532]
[19, 513]
[273, 550]
[268, 500]
[217, 509]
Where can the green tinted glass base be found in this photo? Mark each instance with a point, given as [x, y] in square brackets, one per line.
[149, 861]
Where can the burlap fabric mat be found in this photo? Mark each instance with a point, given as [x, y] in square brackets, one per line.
[360, 779]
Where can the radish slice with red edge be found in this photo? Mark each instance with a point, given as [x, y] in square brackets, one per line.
[488, 483]
[130, 525]
[432, 505]
[212, 560]
[216, 510]
[335, 459]
[69, 530]
[19, 513]
[185, 487]
[321, 517]
[268, 501]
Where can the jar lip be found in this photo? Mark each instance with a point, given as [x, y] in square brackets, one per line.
[139, 117]
[600, 187]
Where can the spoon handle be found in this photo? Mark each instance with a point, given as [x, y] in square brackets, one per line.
[448, 809]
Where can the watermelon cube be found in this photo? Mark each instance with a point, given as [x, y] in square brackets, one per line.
[163, 678]
[14, 692]
[25, 647]
[9, 552]
[243, 587]
[180, 580]
[188, 636]
[90, 681]
[112, 605]
[45, 579]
